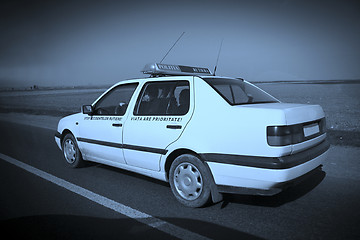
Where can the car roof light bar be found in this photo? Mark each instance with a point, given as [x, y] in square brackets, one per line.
[172, 69]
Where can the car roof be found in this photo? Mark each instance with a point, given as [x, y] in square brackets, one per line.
[146, 79]
[169, 78]
[173, 77]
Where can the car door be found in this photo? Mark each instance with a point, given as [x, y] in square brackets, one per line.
[101, 133]
[162, 110]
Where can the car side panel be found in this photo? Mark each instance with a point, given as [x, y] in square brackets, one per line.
[222, 128]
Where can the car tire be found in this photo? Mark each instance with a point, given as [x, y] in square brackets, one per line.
[190, 181]
[71, 151]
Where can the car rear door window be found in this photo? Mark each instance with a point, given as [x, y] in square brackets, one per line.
[163, 98]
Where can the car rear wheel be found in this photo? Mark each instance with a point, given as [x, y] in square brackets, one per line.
[190, 181]
[71, 151]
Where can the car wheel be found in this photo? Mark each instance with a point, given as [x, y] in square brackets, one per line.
[190, 181]
[71, 151]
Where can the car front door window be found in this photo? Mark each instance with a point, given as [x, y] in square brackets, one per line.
[116, 101]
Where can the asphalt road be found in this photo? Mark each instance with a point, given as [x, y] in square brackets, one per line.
[323, 207]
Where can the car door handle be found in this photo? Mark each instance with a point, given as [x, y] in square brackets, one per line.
[117, 124]
[173, 126]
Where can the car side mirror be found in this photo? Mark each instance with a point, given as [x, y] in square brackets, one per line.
[87, 109]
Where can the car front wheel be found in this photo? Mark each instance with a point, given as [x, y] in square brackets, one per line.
[190, 181]
[71, 151]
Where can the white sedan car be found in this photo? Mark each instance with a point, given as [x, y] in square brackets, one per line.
[204, 134]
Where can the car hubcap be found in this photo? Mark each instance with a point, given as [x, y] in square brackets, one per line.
[69, 151]
[188, 181]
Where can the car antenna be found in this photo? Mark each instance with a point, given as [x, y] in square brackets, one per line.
[217, 60]
[172, 47]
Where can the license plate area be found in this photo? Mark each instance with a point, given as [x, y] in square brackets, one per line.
[311, 129]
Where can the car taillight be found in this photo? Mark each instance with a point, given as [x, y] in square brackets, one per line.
[322, 125]
[292, 134]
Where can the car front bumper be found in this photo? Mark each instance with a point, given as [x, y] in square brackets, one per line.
[58, 139]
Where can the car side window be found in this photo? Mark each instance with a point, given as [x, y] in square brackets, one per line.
[163, 98]
[116, 101]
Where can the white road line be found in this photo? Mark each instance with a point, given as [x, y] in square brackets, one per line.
[106, 202]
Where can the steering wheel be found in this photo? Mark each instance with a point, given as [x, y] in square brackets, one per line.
[102, 111]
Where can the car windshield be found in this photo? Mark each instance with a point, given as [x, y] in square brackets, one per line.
[237, 92]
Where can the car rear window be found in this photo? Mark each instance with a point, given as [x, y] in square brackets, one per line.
[237, 92]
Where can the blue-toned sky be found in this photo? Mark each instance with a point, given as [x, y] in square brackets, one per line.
[65, 43]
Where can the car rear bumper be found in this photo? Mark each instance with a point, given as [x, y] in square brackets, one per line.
[265, 176]
[277, 188]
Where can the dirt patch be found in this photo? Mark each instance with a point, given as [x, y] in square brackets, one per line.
[344, 138]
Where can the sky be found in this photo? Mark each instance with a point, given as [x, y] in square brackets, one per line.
[76, 43]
